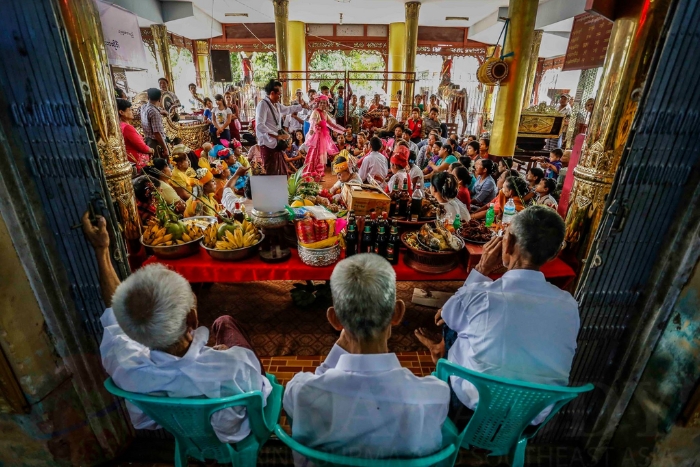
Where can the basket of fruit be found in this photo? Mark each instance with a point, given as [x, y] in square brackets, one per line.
[318, 239]
[232, 240]
[433, 249]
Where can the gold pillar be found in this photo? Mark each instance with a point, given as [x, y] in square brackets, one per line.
[281, 36]
[412, 11]
[509, 103]
[584, 91]
[297, 56]
[203, 65]
[532, 68]
[84, 31]
[397, 59]
[161, 39]
[632, 44]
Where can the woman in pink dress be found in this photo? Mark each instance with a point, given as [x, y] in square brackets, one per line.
[319, 141]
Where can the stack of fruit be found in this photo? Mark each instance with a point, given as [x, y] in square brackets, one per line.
[171, 233]
[231, 235]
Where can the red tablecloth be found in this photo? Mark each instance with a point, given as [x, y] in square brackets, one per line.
[202, 268]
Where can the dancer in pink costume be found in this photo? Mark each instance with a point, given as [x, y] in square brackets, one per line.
[319, 140]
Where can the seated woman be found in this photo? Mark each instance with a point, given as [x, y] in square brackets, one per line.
[485, 188]
[145, 199]
[137, 151]
[221, 173]
[532, 177]
[464, 178]
[514, 188]
[444, 188]
[346, 173]
[503, 166]
[445, 158]
[204, 202]
[184, 177]
[160, 171]
[545, 193]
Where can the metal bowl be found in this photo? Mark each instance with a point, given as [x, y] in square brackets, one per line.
[202, 221]
[173, 251]
[233, 255]
[320, 256]
[269, 219]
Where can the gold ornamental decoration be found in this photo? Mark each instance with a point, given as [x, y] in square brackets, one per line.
[492, 71]
[192, 135]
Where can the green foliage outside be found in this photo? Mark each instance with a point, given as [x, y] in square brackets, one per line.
[236, 68]
[353, 60]
[264, 67]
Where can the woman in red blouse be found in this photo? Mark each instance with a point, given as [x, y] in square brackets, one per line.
[138, 153]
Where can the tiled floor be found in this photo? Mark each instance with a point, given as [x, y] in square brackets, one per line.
[284, 368]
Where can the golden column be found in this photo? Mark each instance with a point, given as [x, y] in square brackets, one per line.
[532, 67]
[412, 11]
[203, 64]
[281, 36]
[397, 59]
[297, 56]
[509, 103]
[161, 39]
[87, 43]
[632, 44]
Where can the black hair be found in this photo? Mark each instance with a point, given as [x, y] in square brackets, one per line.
[537, 172]
[452, 142]
[416, 109]
[206, 99]
[123, 104]
[407, 130]
[466, 161]
[473, 137]
[551, 185]
[159, 164]
[488, 165]
[507, 161]
[310, 91]
[438, 143]
[487, 141]
[141, 185]
[176, 140]
[434, 109]
[446, 184]
[412, 157]
[163, 79]
[120, 93]
[154, 94]
[518, 185]
[400, 125]
[325, 88]
[462, 174]
[247, 190]
[190, 85]
[218, 97]
[557, 152]
[454, 165]
[375, 143]
[339, 160]
[272, 85]
[474, 145]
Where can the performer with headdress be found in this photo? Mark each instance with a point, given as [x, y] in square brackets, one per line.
[319, 141]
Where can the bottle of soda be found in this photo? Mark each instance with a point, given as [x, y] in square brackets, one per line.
[380, 242]
[395, 193]
[416, 202]
[392, 245]
[457, 223]
[237, 213]
[374, 224]
[508, 212]
[367, 244]
[490, 215]
[384, 221]
[351, 238]
[404, 200]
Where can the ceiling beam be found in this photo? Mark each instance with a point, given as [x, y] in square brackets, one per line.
[554, 11]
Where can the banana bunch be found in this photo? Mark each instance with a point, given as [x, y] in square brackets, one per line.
[156, 234]
[327, 243]
[192, 232]
[231, 236]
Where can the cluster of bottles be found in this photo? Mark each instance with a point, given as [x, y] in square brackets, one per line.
[405, 205]
[378, 237]
[508, 213]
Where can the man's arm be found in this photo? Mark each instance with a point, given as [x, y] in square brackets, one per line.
[99, 239]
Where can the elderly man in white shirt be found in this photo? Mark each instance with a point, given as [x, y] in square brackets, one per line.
[361, 402]
[151, 342]
[268, 123]
[374, 165]
[519, 326]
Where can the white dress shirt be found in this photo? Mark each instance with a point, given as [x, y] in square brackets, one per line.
[373, 164]
[202, 371]
[366, 406]
[518, 327]
[267, 123]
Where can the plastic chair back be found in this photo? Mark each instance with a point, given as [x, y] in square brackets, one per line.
[445, 457]
[188, 420]
[506, 408]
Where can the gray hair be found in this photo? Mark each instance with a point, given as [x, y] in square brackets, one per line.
[151, 306]
[364, 294]
[539, 232]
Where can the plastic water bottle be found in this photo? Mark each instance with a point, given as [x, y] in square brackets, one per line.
[490, 215]
[508, 211]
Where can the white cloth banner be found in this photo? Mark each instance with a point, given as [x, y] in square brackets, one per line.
[122, 35]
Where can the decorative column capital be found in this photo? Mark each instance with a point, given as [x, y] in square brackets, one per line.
[201, 47]
[412, 9]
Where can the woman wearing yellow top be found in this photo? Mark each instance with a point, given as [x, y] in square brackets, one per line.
[205, 203]
[160, 170]
[184, 176]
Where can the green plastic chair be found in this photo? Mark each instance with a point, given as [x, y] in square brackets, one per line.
[188, 420]
[505, 410]
[445, 457]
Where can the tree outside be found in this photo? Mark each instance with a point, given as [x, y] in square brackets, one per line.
[264, 67]
[353, 60]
